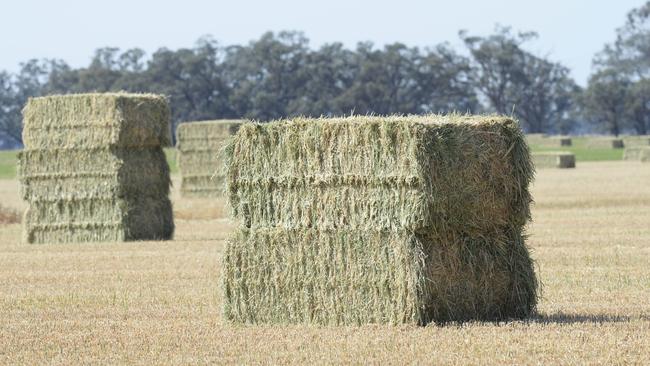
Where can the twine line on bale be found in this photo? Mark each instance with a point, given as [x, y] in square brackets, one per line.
[379, 220]
[93, 168]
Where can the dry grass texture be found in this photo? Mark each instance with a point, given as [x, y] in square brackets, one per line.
[199, 158]
[159, 302]
[637, 153]
[93, 168]
[379, 220]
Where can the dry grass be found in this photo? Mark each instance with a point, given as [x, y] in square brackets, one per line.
[159, 302]
[8, 216]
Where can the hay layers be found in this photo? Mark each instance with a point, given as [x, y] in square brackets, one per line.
[378, 220]
[198, 145]
[93, 168]
[554, 159]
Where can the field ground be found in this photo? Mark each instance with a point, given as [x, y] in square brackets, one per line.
[159, 302]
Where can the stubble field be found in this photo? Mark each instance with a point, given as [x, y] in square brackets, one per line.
[159, 302]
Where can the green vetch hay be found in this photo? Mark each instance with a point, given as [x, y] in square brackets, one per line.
[379, 220]
[199, 145]
[638, 153]
[554, 159]
[93, 168]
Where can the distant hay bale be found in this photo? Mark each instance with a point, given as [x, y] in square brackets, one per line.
[637, 153]
[93, 168]
[554, 159]
[639, 140]
[548, 141]
[198, 145]
[606, 143]
[379, 220]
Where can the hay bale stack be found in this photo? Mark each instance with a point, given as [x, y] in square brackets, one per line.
[554, 159]
[93, 168]
[565, 141]
[637, 153]
[198, 145]
[378, 220]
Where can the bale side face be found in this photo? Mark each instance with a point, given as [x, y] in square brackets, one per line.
[379, 220]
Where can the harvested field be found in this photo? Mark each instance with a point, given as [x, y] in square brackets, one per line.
[160, 302]
[554, 159]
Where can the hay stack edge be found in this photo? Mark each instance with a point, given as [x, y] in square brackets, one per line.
[93, 168]
[379, 220]
[198, 146]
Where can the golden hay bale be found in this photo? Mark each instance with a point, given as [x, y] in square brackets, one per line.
[93, 168]
[379, 220]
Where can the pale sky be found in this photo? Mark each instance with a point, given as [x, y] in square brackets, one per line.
[571, 31]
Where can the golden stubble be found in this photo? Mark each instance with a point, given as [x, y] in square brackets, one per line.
[160, 302]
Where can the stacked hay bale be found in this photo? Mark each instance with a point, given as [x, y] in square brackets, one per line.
[198, 145]
[93, 168]
[637, 153]
[606, 143]
[554, 159]
[551, 141]
[378, 220]
[639, 140]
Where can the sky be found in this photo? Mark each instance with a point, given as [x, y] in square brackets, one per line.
[570, 31]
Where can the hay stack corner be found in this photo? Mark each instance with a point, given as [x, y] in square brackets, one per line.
[199, 158]
[379, 220]
[93, 168]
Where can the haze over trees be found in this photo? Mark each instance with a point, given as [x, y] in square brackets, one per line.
[280, 75]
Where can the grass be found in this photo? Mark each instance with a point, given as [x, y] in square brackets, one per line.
[8, 163]
[160, 302]
[583, 152]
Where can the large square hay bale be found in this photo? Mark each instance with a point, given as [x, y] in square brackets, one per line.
[199, 160]
[554, 159]
[606, 143]
[379, 220]
[637, 153]
[93, 168]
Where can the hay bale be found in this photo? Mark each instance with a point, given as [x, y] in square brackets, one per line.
[550, 141]
[565, 141]
[639, 140]
[93, 168]
[198, 145]
[637, 153]
[606, 143]
[378, 220]
[554, 159]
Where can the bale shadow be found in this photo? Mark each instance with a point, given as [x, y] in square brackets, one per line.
[564, 318]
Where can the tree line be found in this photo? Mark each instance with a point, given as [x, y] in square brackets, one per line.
[280, 75]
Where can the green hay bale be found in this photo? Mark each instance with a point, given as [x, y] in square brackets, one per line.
[637, 153]
[198, 158]
[379, 220]
[111, 183]
[97, 120]
[554, 159]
